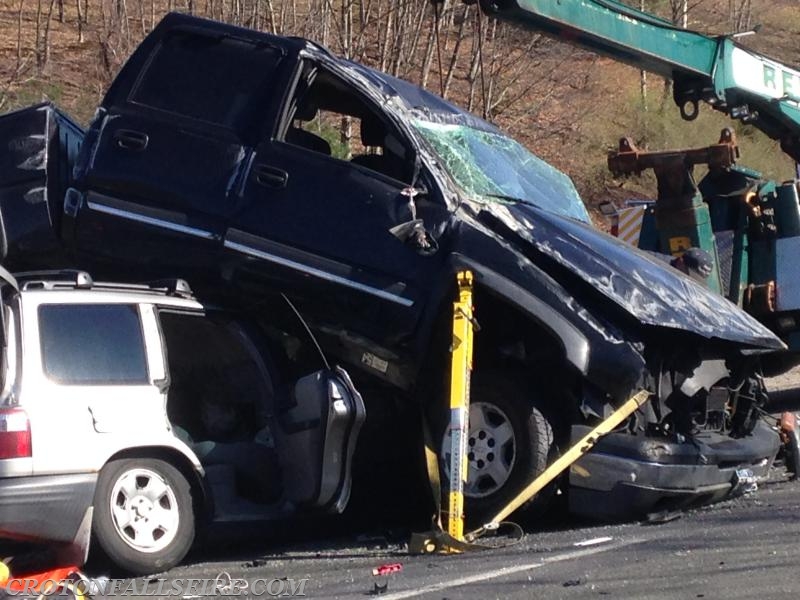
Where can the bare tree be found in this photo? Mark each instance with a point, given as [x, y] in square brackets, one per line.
[739, 14]
[430, 47]
[45, 54]
[679, 12]
[451, 69]
[19, 35]
[80, 21]
[643, 75]
[141, 17]
[38, 32]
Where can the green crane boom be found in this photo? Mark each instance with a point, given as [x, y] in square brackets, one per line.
[714, 69]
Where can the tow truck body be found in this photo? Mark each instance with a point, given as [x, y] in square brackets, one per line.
[749, 226]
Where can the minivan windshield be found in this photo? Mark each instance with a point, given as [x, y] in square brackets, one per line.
[491, 166]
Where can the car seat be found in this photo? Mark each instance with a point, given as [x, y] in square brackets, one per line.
[306, 111]
[374, 135]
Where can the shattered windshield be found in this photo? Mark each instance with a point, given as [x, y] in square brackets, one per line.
[493, 166]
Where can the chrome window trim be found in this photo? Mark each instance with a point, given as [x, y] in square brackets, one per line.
[133, 216]
[250, 251]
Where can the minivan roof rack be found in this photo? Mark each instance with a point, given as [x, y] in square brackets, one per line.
[174, 287]
[77, 278]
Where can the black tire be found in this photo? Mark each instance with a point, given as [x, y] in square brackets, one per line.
[170, 519]
[500, 396]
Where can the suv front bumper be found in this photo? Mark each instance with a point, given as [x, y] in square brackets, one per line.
[626, 476]
[45, 508]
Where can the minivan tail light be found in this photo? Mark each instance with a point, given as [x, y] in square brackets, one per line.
[15, 433]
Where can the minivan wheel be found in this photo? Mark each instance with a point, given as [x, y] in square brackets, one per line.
[509, 443]
[143, 515]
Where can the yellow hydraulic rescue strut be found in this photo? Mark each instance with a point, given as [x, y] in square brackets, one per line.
[461, 372]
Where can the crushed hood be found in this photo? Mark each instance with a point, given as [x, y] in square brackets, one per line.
[643, 285]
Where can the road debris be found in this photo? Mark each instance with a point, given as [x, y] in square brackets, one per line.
[378, 589]
[664, 516]
[389, 569]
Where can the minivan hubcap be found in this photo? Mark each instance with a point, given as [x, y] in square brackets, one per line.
[491, 450]
[144, 510]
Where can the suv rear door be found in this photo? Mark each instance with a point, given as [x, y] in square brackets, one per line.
[175, 132]
[92, 380]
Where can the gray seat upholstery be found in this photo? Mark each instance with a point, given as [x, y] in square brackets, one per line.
[300, 437]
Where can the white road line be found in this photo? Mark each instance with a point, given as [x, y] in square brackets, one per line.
[593, 541]
[453, 583]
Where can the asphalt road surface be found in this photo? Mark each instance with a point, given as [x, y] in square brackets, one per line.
[746, 547]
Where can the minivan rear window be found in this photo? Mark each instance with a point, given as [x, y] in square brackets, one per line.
[213, 79]
[92, 344]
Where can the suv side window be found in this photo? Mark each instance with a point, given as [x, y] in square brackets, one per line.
[218, 80]
[92, 344]
[322, 103]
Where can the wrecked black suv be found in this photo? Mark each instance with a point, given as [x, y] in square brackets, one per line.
[211, 159]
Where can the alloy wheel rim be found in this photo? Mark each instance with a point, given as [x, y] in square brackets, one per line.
[491, 450]
[144, 510]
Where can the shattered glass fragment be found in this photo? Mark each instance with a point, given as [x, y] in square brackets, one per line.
[495, 168]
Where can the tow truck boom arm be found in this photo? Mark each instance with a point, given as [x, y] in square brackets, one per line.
[714, 69]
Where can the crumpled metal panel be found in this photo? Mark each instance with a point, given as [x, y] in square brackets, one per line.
[650, 291]
[37, 145]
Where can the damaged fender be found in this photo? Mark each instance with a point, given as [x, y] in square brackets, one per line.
[608, 358]
[574, 343]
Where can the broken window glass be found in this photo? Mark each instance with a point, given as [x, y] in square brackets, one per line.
[493, 167]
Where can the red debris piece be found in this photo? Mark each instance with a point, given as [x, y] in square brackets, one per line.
[387, 569]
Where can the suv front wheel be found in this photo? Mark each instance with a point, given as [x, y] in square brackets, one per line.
[509, 444]
[143, 515]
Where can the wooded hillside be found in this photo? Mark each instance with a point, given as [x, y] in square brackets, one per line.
[566, 104]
